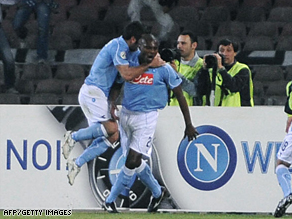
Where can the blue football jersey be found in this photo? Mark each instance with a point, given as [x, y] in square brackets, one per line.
[149, 91]
[103, 71]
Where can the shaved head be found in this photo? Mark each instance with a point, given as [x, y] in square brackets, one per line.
[148, 45]
[147, 39]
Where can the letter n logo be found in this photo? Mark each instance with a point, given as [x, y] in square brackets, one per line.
[208, 162]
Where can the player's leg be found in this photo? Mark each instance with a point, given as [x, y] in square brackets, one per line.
[283, 175]
[97, 147]
[91, 132]
[94, 105]
[135, 164]
[99, 129]
[284, 179]
[144, 125]
[146, 176]
[124, 179]
[126, 174]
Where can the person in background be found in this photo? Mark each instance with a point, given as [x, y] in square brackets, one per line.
[230, 80]
[187, 67]
[138, 121]
[6, 55]
[284, 159]
[116, 56]
[160, 9]
[43, 10]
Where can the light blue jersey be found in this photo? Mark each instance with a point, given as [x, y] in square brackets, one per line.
[149, 92]
[103, 71]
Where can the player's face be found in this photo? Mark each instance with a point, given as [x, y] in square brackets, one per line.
[134, 46]
[149, 50]
[186, 47]
[228, 53]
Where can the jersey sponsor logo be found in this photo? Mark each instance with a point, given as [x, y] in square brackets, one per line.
[208, 162]
[145, 78]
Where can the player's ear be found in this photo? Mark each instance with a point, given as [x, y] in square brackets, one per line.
[133, 40]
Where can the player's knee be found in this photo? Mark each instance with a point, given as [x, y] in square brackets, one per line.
[279, 162]
[114, 137]
[132, 164]
[111, 127]
[133, 159]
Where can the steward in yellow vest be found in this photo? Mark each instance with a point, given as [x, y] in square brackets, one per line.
[187, 67]
[233, 81]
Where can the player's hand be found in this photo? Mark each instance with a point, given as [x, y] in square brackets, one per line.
[173, 65]
[113, 110]
[191, 132]
[157, 61]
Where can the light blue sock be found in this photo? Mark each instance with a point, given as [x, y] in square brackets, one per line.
[91, 132]
[123, 180]
[97, 147]
[147, 178]
[284, 179]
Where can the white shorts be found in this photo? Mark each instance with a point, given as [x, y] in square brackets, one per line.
[285, 151]
[94, 104]
[137, 131]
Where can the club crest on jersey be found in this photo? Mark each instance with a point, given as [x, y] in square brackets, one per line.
[145, 78]
[123, 55]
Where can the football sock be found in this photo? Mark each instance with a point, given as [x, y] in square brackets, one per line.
[284, 179]
[123, 180]
[146, 176]
[97, 147]
[91, 132]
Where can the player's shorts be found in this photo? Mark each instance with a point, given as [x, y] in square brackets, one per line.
[94, 104]
[285, 150]
[137, 131]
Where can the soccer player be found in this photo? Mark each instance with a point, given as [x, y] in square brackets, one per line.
[114, 57]
[284, 159]
[143, 97]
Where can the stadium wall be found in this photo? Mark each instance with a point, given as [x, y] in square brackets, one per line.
[228, 168]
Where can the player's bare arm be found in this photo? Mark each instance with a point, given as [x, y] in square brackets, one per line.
[289, 120]
[130, 73]
[113, 96]
[190, 130]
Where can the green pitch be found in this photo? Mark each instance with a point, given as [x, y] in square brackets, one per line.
[144, 215]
